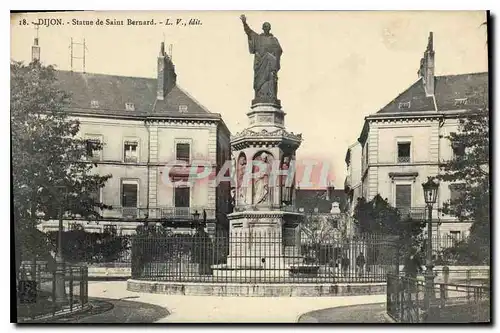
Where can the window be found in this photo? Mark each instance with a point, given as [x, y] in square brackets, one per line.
[458, 149]
[129, 106]
[130, 151]
[460, 101]
[182, 152]
[335, 224]
[95, 195]
[183, 108]
[404, 105]
[403, 198]
[93, 149]
[366, 155]
[455, 195]
[455, 235]
[404, 152]
[110, 229]
[181, 196]
[129, 198]
[94, 104]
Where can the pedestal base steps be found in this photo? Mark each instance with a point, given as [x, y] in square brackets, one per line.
[255, 290]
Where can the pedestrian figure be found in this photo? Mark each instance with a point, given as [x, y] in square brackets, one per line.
[360, 264]
[345, 265]
[446, 277]
[412, 268]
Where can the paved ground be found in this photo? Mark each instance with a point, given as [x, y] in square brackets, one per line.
[365, 313]
[213, 309]
[106, 311]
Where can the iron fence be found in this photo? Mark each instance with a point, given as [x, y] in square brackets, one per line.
[264, 257]
[449, 303]
[36, 290]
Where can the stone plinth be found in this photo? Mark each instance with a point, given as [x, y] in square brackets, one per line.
[261, 244]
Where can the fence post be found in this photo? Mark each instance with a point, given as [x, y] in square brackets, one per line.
[70, 289]
[467, 282]
[81, 286]
[54, 293]
[442, 294]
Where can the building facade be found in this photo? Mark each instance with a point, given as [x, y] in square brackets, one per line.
[406, 141]
[352, 184]
[145, 126]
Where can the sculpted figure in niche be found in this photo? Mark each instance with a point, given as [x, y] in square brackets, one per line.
[286, 185]
[261, 182]
[241, 188]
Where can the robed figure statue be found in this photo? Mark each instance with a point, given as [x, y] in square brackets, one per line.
[266, 64]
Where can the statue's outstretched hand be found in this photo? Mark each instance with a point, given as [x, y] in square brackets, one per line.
[243, 18]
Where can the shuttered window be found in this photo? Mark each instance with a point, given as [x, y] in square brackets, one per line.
[181, 197]
[182, 152]
[404, 152]
[403, 198]
[455, 195]
[129, 195]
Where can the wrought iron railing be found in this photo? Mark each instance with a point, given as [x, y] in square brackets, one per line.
[404, 159]
[158, 212]
[448, 303]
[263, 257]
[36, 290]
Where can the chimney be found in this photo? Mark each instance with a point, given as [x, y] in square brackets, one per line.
[166, 74]
[35, 51]
[329, 191]
[426, 71]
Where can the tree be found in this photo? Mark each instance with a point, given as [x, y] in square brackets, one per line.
[377, 216]
[469, 171]
[50, 171]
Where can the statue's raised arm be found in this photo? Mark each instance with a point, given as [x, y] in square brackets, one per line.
[252, 35]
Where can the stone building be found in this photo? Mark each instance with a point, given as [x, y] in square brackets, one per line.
[405, 141]
[327, 207]
[352, 184]
[146, 124]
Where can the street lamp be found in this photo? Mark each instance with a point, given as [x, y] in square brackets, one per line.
[60, 287]
[430, 195]
[196, 218]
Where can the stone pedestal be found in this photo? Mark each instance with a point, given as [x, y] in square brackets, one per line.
[262, 244]
[264, 229]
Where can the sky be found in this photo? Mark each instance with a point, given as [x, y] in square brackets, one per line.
[336, 68]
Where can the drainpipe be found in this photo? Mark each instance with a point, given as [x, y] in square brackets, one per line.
[441, 123]
[147, 167]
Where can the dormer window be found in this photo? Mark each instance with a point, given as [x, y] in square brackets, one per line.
[94, 104]
[183, 108]
[404, 105]
[461, 101]
[129, 106]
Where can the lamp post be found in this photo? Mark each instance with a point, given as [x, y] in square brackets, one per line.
[430, 194]
[196, 219]
[60, 287]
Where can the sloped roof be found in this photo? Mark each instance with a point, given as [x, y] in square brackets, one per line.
[448, 88]
[313, 198]
[174, 99]
[112, 92]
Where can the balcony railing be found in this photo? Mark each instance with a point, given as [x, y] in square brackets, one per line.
[404, 159]
[181, 213]
[418, 213]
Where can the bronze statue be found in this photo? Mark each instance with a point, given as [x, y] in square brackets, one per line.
[266, 65]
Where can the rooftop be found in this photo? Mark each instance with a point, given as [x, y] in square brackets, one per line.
[451, 92]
